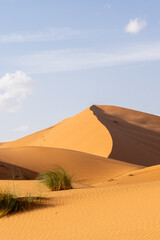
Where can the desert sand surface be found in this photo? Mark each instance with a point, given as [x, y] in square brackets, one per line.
[127, 211]
[113, 155]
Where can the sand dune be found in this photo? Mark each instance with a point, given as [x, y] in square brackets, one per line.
[148, 174]
[82, 132]
[110, 152]
[141, 119]
[12, 171]
[86, 168]
[106, 131]
[86, 143]
[132, 142]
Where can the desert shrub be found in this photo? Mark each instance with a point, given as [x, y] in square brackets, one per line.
[10, 203]
[56, 180]
[110, 180]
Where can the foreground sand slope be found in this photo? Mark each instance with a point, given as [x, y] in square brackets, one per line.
[122, 212]
[85, 168]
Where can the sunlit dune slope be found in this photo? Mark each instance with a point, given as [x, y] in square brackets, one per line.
[147, 174]
[135, 135]
[82, 132]
[85, 168]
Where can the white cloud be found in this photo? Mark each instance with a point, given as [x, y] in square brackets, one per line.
[50, 34]
[79, 59]
[13, 90]
[22, 128]
[135, 25]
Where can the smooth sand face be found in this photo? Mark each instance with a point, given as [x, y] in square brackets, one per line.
[82, 132]
[85, 168]
[116, 196]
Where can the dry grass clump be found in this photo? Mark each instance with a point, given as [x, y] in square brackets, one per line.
[11, 203]
[56, 180]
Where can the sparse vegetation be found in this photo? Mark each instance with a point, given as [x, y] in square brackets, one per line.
[56, 180]
[11, 204]
[131, 174]
[110, 180]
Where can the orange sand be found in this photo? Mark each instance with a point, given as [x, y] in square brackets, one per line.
[114, 156]
[129, 211]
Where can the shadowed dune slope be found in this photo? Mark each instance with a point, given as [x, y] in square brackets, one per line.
[141, 119]
[83, 133]
[85, 167]
[11, 171]
[135, 135]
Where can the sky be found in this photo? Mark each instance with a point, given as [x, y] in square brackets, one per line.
[58, 57]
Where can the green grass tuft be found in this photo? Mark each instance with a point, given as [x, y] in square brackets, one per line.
[56, 180]
[10, 203]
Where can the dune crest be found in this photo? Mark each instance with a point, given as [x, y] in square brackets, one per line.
[83, 133]
[132, 142]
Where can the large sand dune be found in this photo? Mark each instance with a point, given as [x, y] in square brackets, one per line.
[113, 154]
[82, 132]
[119, 133]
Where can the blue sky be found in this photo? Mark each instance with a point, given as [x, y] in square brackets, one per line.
[59, 57]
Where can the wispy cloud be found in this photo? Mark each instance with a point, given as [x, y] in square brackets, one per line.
[13, 90]
[79, 59]
[22, 128]
[135, 26]
[50, 34]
